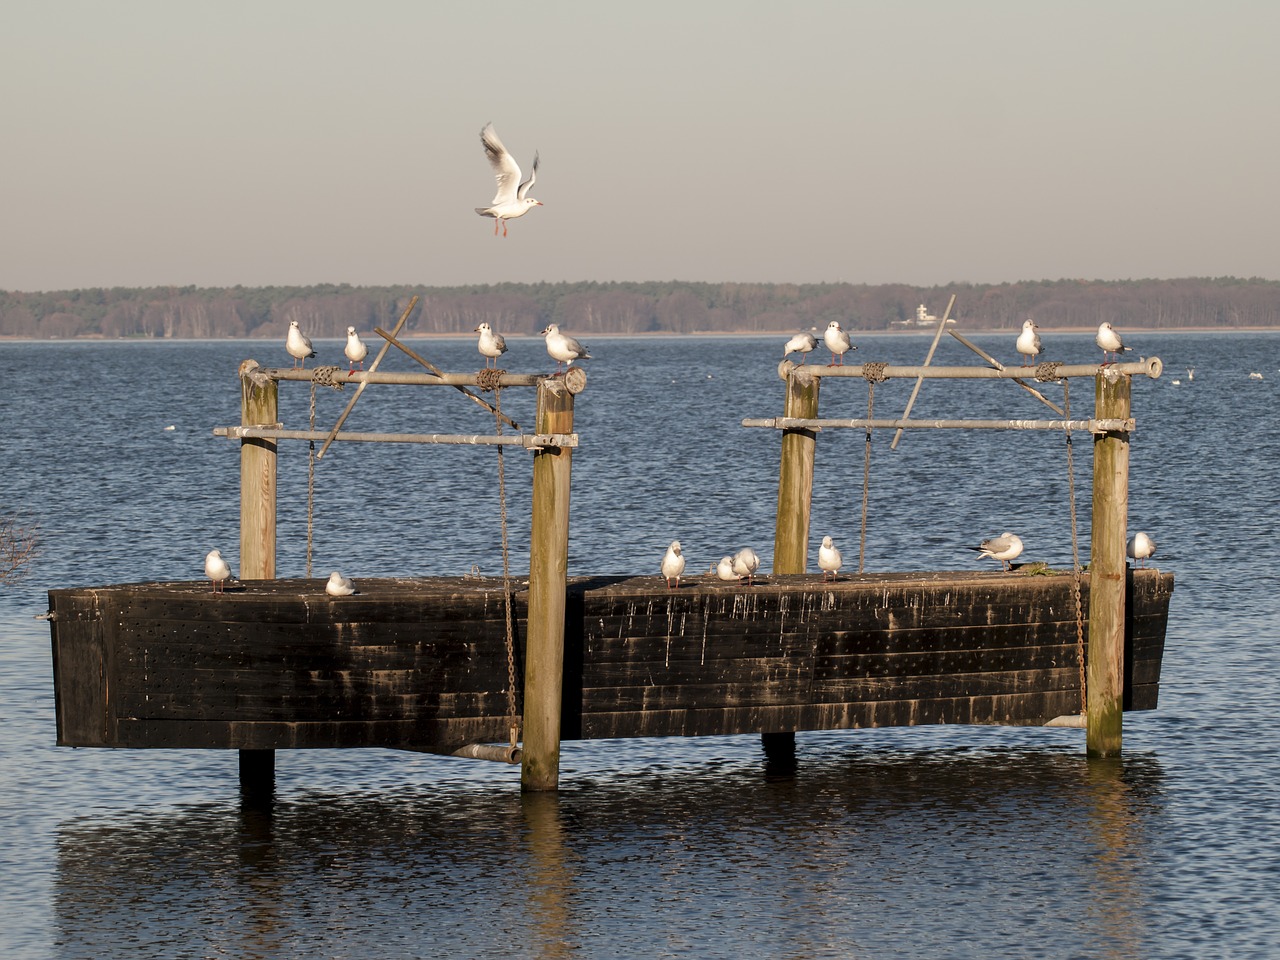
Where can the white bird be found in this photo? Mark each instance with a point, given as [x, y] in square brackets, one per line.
[355, 350]
[216, 569]
[512, 199]
[1191, 374]
[829, 559]
[1029, 342]
[563, 349]
[724, 569]
[837, 342]
[673, 564]
[1140, 548]
[1004, 548]
[801, 343]
[339, 586]
[492, 345]
[1110, 342]
[745, 564]
[298, 345]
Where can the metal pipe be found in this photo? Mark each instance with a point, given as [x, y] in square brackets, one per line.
[1151, 367]
[1089, 426]
[412, 378]
[532, 441]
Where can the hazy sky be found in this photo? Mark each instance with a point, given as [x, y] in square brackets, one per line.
[156, 142]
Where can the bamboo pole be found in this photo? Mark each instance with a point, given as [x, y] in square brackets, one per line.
[915, 391]
[1151, 367]
[259, 407]
[819, 423]
[457, 439]
[795, 476]
[419, 358]
[1105, 674]
[548, 573]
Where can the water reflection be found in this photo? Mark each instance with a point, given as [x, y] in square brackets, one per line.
[838, 857]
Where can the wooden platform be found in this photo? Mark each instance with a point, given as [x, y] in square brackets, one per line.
[422, 663]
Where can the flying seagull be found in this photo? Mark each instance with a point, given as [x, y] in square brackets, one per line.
[512, 199]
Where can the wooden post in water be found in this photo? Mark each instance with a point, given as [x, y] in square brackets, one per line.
[548, 573]
[795, 498]
[795, 476]
[1105, 678]
[259, 407]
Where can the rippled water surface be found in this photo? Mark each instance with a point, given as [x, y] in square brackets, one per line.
[932, 841]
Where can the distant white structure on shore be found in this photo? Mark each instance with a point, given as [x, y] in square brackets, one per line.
[923, 319]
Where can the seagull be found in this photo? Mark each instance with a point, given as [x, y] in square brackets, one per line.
[510, 201]
[1110, 342]
[837, 342]
[673, 564]
[339, 586]
[355, 350]
[563, 349]
[1004, 548]
[746, 563]
[724, 569]
[216, 569]
[1029, 342]
[829, 559]
[801, 343]
[1140, 548]
[298, 345]
[492, 345]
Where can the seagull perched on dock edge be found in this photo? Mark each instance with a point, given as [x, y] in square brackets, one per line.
[1140, 548]
[837, 342]
[1110, 342]
[563, 349]
[512, 199]
[216, 569]
[673, 564]
[829, 559]
[298, 345]
[801, 343]
[491, 345]
[724, 569]
[1004, 548]
[339, 586]
[355, 350]
[745, 564]
[1029, 342]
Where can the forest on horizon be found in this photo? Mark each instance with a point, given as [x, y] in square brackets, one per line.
[326, 310]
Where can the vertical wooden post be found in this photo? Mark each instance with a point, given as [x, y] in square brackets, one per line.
[795, 499]
[548, 571]
[1105, 675]
[795, 476]
[259, 407]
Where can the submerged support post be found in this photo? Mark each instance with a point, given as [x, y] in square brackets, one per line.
[259, 407]
[795, 498]
[1105, 679]
[548, 573]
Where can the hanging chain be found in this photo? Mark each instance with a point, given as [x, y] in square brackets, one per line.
[311, 479]
[513, 722]
[1075, 547]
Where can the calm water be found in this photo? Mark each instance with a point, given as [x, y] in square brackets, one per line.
[926, 842]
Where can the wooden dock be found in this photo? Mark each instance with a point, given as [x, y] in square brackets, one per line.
[421, 663]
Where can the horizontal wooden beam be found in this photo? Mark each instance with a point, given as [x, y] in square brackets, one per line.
[533, 441]
[1151, 367]
[1085, 426]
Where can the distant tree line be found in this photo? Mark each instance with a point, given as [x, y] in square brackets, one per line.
[327, 310]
